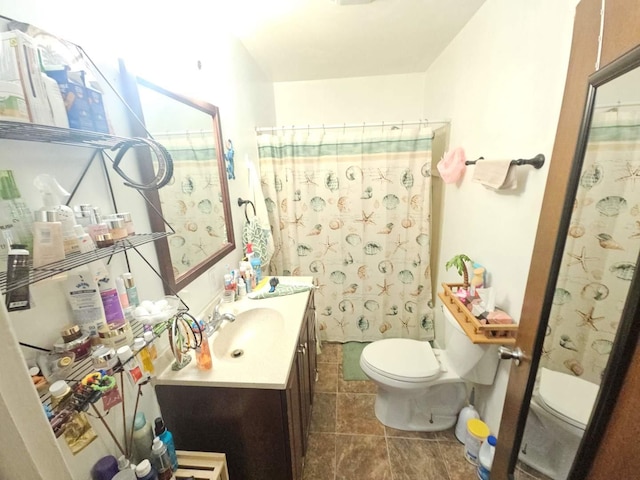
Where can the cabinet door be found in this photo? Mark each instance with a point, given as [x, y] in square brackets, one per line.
[310, 320]
[305, 383]
[294, 416]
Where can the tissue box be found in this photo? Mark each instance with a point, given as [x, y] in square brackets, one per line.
[75, 99]
[20, 66]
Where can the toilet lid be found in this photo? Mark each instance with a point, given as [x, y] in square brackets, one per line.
[570, 396]
[402, 359]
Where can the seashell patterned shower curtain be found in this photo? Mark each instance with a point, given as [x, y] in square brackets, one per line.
[600, 253]
[352, 209]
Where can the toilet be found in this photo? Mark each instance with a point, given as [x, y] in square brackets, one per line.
[421, 388]
[560, 409]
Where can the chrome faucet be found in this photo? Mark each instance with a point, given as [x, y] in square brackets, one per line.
[217, 318]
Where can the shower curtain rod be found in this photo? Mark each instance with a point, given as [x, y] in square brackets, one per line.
[353, 125]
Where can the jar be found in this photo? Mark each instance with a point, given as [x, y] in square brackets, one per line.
[73, 340]
[116, 335]
[104, 358]
[117, 227]
[104, 240]
[59, 390]
[128, 222]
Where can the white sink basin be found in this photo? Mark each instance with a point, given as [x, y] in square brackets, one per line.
[251, 335]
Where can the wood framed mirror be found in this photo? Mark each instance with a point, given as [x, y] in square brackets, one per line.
[195, 203]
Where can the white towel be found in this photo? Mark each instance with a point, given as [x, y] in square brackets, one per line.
[496, 174]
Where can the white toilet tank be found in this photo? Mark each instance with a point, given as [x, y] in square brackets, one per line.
[477, 363]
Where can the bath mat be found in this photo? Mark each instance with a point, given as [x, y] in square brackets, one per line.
[351, 361]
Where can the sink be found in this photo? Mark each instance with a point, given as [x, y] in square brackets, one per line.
[253, 333]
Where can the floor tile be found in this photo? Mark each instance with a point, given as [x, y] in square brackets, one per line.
[362, 457]
[355, 414]
[457, 466]
[323, 413]
[320, 460]
[327, 377]
[354, 386]
[395, 433]
[413, 459]
[525, 472]
[331, 353]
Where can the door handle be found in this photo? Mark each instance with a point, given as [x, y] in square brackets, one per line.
[516, 354]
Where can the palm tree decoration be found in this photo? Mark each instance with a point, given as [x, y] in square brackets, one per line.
[460, 262]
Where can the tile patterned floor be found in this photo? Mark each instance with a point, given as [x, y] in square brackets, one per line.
[347, 442]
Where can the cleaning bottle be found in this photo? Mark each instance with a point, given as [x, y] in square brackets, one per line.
[254, 260]
[485, 457]
[465, 415]
[166, 437]
[52, 197]
[144, 471]
[142, 438]
[161, 461]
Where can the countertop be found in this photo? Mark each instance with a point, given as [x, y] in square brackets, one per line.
[269, 371]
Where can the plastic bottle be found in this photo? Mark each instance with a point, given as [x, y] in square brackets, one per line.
[466, 414]
[485, 457]
[151, 348]
[144, 471]
[166, 437]
[130, 365]
[17, 210]
[17, 298]
[48, 241]
[254, 260]
[142, 438]
[203, 352]
[140, 346]
[52, 194]
[131, 289]
[161, 461]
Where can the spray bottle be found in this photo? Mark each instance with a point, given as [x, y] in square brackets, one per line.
[52, 197]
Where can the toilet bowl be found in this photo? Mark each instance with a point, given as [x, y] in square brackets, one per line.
[421, 388]
[560, 409]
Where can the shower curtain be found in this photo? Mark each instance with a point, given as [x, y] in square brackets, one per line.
[352, 209]
[600, 252]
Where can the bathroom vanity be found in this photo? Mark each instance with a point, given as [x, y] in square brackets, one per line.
[254, 406]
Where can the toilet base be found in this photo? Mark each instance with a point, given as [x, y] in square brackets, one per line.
[431, 410]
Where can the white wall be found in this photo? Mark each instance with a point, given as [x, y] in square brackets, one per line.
[501, 82]
[229, 78]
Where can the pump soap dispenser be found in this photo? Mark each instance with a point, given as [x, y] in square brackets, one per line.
[52, 198]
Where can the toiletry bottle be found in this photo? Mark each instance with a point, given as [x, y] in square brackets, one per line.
[203, 353]
[256, 264]
[132, 291]
[149, 338]
[17, 297]
[122, 293]
[52, 194]
[128, 222]
[48, 245]
[17, 210]
[464, 416]
[130, 365]
[144, 471]
[142, 437]
[166, 437]
[98, 227]
[161, 461]
[139, 345]
[485, 457]
[109, 295]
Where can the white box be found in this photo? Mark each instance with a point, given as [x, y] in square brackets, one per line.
[19, 64]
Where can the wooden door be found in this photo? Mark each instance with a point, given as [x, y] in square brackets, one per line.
[620, 34]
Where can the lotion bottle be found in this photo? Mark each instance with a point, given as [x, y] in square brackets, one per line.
[48, 246]
[52, 194]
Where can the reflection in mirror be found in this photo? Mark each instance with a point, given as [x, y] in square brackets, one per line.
[195, 203]
[598, 264]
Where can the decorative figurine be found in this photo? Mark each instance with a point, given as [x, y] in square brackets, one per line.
[229, 157]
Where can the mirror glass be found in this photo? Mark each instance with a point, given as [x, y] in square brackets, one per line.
[597, 266]
[195, 203]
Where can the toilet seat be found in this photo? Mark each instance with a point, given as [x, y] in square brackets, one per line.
[402, 359]
[567, 397]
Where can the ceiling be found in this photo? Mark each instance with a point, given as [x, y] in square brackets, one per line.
[319, 39]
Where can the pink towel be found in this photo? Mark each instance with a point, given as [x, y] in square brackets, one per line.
[496, 174]
[452, 166]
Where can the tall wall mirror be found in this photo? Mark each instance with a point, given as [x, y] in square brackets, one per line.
[195, 203]
[595, 297]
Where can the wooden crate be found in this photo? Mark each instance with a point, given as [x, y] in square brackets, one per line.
[476, 331]
[201, 466]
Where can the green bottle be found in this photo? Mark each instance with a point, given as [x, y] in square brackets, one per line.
[13, 207]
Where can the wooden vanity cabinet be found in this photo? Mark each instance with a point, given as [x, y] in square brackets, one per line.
[263, 432]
